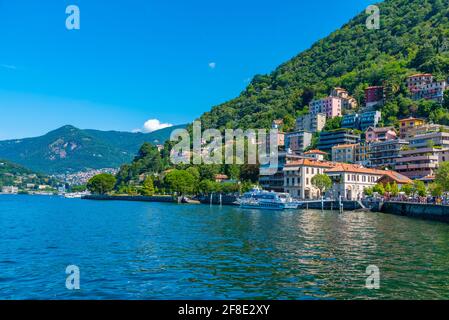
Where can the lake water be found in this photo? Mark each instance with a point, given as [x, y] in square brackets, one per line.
[132, 250]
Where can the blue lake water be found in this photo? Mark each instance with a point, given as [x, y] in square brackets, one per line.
[131, 250]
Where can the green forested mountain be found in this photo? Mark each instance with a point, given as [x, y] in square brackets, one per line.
[413, 37]
[12, 174]
[69, 149]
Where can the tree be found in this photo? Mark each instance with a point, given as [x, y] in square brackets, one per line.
[209, 186]
[379, 188]
[101, 184]
[436, 190]
[148, 187]
[394, 189]
[180, 181]
[322, 182]
[388, 188]
[407, 189]
[368, 192]
[333, 124]
[419, 188]
[442, 176]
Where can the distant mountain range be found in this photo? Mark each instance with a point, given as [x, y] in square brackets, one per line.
[69, 149]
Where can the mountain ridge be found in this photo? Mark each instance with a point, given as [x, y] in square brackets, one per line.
[69, 149]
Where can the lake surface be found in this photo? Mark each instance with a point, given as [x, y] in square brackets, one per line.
[132, 250]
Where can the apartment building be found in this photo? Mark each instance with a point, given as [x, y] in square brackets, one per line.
[298, 177]
[344, 153]
[423, 86]
[374, 97]
[421, 162]
[431, 139]
[370, 119]
[361, 121]
[275, 182]
[311, 122]
[423, 155]
[348, 102]
[329, 139]
[380, 134]
[383, 154]
[315, 154]
[297, 142]
[409, 125]
[350, 121]
[362, 154]
[331, 106]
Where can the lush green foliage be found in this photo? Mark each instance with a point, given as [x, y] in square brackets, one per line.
[322, 182]
[407, 189]
[413, 38]
[419, 188]
[442, 177]
[148, 187]
[101, 184]
[12, 174]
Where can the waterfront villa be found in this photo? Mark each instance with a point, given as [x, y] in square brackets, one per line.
[350, 180]
[298, 177]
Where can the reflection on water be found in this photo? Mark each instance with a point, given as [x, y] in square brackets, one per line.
[165, 251]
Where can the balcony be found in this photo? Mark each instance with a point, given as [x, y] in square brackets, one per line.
[418, 158]
[417, 166]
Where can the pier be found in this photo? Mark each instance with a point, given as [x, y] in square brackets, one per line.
[416, 210]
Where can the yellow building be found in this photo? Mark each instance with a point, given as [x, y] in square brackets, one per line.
[407, 124]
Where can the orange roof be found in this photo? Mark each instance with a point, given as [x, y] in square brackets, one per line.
[399, 178]
[311, 163]
[353, 168]
[411, 119]
[420, 75]
[315, 152]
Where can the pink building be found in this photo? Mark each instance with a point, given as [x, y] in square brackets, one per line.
[380, 134]
[331, 106]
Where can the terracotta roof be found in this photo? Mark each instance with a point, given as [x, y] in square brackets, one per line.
[315, 152]
[311, 163]
[221, 176]
[353, 168]
[399, 178]
[421, 75]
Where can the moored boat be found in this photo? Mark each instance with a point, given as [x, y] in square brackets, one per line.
[265, 200]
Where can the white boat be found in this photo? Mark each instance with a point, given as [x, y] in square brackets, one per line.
[265, 200]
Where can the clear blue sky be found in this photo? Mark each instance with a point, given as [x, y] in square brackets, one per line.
[136, 60]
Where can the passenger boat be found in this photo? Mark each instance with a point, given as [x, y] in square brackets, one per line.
[265, 200]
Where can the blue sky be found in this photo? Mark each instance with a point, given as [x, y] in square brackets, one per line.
[136, 60]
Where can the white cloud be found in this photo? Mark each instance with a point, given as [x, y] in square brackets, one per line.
[212, 65]
[153, 125]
